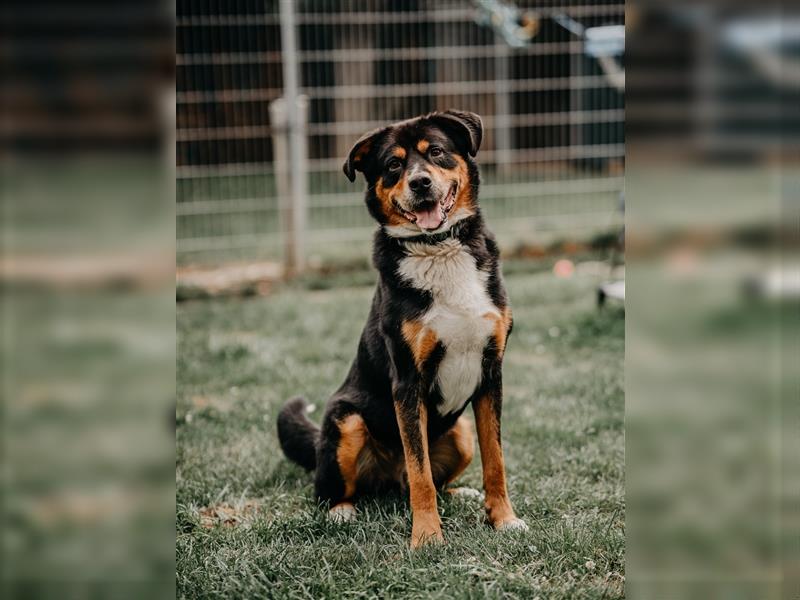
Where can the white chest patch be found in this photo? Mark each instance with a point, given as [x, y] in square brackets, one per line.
[462, 315]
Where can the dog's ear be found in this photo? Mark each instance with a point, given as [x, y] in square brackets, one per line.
[465, 128]
[357, 157]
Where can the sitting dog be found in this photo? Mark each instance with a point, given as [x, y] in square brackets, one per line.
[434, 339]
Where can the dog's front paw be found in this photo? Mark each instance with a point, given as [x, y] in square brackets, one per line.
[426, 538]
[513, 524]
[427, 529]
[500, 514]
[342, 513]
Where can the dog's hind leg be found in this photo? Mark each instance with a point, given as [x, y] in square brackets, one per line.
[343, 440]
[452, 453]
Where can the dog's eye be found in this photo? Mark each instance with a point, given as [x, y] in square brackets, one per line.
[435, 151]
[394, 164]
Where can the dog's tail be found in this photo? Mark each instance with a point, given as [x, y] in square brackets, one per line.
[298, 436]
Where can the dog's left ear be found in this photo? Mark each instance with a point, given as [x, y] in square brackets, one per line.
[357, 157]
[466, 128]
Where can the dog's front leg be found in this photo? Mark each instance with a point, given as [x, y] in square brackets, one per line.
[412, 418]
[487, 420]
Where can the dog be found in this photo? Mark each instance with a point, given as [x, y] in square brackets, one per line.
[434, 339]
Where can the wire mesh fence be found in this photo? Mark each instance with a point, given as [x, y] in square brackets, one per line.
[553, 149]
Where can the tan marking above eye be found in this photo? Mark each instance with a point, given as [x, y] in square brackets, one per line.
[423, 146]
[399, 152]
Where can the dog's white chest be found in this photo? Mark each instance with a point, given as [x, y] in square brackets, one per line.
[462, 314]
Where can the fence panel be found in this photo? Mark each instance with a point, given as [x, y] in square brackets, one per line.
[553, 150]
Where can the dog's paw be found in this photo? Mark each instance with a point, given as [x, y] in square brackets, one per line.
[342, 513]
[465, 492]
[427, 538]
[426, 529]
[514, 524]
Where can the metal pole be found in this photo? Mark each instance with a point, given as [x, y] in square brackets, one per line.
[294, 121]
[283, 187]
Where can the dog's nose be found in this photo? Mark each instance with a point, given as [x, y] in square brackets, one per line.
[420, 183]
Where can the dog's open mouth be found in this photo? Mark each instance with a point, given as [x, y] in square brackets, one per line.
[432, 215]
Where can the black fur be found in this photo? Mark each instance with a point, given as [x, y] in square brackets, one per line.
[384, 371]
[298, 436]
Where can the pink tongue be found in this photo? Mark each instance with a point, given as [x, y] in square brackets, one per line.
[429, 219]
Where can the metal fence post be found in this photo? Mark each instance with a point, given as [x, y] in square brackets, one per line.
[283, 185]
[296, 110]
[300, 174]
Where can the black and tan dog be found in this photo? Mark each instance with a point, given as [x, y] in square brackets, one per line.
[434, 338]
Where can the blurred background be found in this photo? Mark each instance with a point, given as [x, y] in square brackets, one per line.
[713, 280]
[86, 277]
[552, 157]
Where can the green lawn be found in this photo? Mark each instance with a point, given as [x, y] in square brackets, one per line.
[247, 522]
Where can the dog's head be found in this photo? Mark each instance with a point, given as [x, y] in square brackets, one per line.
[420, 172]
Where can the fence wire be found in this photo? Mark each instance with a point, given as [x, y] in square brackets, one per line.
[553, 150]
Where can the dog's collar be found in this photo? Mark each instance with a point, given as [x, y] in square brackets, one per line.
[434, 238]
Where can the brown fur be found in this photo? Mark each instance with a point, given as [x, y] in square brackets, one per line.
[353, 437]
[497, 504]
[379, 466]
[362, 151]
[464, 199]
[364, 462]
[422, 146]
[420, 339]
[426, 525]
[387, 204]
[452, 453]
[502, 325]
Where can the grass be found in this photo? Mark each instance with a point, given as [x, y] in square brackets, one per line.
[247, 522]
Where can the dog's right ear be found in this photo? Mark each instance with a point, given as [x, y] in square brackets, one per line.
[359, 153]
[464, 127]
